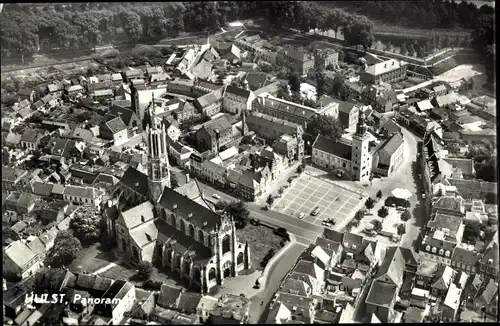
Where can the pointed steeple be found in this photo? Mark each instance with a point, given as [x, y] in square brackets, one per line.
[361, 126]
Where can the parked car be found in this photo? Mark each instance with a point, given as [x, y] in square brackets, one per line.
[315, 211]
[301, 215]
[216, 196]
[370, 232]
[423, 196]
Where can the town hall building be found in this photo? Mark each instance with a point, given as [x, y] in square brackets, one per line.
[152, 222]
[361, 157]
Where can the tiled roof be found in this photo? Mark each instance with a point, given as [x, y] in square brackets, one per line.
[382, 294]
[116, 125]
[191, 211]
[82, 192]
[139, 214]
[333, 147]
[237, 91]
[168, 295]
[189, 302]
[183, 243]
[135, 180]
[393, 266]
[20, 254]
[392, 144]
[385, 66]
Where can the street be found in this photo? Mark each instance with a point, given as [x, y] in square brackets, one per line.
[258, 312]
[305, 232]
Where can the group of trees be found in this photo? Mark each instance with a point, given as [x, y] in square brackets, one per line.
[238, 210]
[65, 249]
[424, 14]
[423, 48]
[27, 29]
[325, 125]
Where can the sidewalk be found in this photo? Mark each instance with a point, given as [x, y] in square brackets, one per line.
[105, 268]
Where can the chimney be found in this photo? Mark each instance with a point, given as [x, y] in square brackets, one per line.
[187, 178]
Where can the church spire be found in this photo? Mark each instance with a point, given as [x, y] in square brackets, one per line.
[361, 126]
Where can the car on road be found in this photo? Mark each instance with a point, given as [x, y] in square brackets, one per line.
[315, 211]
[370, 232]
[301, 215]
[423, 196]
[216, 196]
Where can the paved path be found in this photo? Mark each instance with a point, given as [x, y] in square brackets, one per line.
[258, 312]
[105, 268]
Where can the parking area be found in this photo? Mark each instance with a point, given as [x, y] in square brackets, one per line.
[309, 192]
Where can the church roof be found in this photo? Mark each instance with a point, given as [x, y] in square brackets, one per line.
[197, 214]
[183, 243]
[135, 180]
[333, 147]
[138, 214]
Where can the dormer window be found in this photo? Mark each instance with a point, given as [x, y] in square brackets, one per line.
[441, 252]
[447, 253]
[434, 250]
[427, 248]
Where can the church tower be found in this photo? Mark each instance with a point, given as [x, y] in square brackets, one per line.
[361, 159]
[158, 166]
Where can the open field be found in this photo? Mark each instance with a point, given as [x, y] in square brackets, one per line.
[309, 192]
[261, 239]
[91, 259]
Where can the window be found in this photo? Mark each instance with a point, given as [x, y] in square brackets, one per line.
[447, 253]
[441, 252]
[428, 248]
[434, 249]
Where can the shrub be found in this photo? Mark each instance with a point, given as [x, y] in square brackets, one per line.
[359, 215]
[145, 269]
[406, 215]
[383, 212]
[369, 203]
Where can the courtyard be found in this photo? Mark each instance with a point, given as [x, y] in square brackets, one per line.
[308, 192]
[91, 259]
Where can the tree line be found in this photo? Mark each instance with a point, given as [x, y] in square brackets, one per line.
[27, 29]
[424, 14]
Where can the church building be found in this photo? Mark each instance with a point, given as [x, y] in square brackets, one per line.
[151, 222]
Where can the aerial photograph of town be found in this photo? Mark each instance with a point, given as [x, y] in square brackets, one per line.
[249, 162]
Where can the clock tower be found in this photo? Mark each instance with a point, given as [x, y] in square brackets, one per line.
[158, 166]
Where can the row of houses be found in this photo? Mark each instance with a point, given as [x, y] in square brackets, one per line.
[121, 302]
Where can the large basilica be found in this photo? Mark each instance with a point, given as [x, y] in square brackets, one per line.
[178, 228]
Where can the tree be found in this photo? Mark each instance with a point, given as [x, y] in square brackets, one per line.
[359, 215]
[472, 232]
[403, 50]
[428, 47]
[65, 249]
[486, 170]
[300, 169]
[421, 52]
[401, 229]
[406, 215]
[144, 269]
[238, 210]
[383, 212]
[325, 125]
[294, 82]
[270, 200]
[446, 41]
[379, 194]
[438, 42]
[377, 225]
[411, 50]
[320, 84]
[369, 203]
[86, 224]
[389, 46]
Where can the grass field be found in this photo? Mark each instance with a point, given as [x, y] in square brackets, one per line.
[261, 239]
[91, 259]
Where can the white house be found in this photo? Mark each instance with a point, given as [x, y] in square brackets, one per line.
[83, 195]
[20, 261]
[237, 99]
